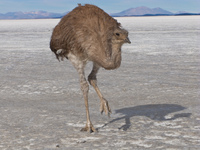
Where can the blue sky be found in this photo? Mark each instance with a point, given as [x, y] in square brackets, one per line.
[110, 6]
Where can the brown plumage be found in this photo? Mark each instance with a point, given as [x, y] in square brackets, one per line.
[87, 33]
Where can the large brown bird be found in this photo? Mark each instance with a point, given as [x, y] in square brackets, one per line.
[85, 34]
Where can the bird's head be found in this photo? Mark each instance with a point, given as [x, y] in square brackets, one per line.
[120, 36]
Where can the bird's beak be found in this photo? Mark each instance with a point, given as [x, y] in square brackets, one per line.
[127, 40]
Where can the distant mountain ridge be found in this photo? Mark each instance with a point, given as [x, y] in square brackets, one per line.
[138, 11]
[31, 15]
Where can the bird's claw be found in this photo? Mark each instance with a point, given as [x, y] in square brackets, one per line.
[89, 128]
[105, 107]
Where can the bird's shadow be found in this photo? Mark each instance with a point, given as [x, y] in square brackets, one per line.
[153, 111]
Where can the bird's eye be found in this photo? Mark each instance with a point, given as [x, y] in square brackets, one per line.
[117, 34]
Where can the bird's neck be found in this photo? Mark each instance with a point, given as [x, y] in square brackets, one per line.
[116, 54]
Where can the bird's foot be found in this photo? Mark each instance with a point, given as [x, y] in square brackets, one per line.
[105, 107]
[89, 128]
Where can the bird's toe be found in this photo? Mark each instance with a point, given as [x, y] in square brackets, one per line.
[89, 129]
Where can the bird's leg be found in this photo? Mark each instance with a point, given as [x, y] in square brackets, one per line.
[79, 65]
[104, 107]
[85, 88]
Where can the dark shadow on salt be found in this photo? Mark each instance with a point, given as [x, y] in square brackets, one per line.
[152, 111]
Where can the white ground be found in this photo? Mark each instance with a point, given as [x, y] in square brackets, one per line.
[154, 95]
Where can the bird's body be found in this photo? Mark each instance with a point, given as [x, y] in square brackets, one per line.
[87, 33]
